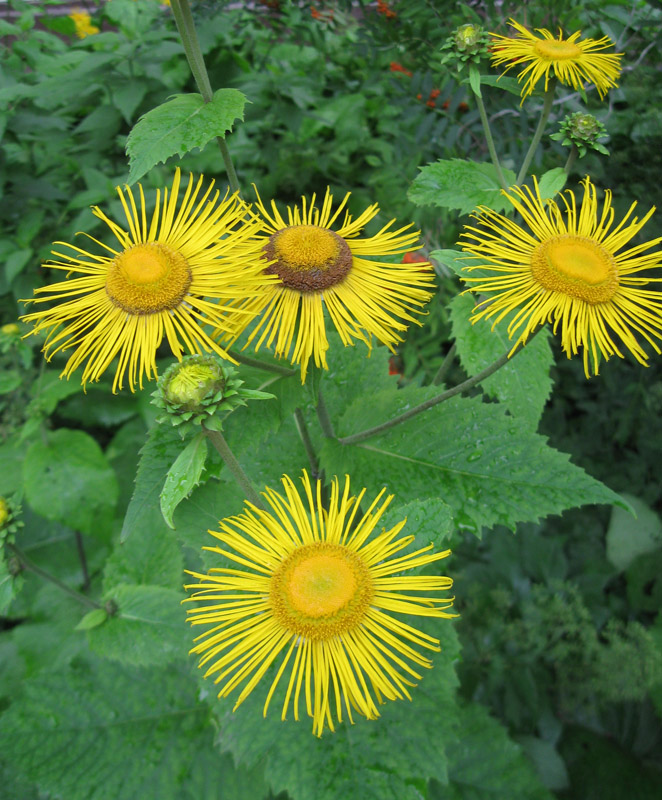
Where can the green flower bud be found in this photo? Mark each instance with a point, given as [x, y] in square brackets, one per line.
[466, 45]
[11, 329]
[192, 381]
[467, 36]
[5, 512]
[583, 131]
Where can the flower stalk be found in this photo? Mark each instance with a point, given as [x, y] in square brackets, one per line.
[218, 441]
[540, 129]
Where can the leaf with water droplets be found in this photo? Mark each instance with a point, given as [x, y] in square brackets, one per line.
[183, 476]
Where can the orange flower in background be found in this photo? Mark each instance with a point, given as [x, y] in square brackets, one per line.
[396, 67]
[385, 9]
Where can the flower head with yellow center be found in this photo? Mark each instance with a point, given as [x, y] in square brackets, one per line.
[569, 269]
[572, 60]
[321, 263]
[166, 279]
[83, 24]
[314, 587]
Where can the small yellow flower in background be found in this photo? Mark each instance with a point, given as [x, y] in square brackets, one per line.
[322, 264]
[83, 24]
[312, 584]
[163, 281]
[569, 272]
[572, 60]
[5, 512]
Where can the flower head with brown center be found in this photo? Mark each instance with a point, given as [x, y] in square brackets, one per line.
[321, 263]
[571, 271]
[187, 269]
[572, 60]
[316, 588]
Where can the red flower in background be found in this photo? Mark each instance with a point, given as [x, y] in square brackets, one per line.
[396, 67]
[385, 9]
[413, 258]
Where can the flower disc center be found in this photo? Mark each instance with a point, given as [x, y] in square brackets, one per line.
[576, 266]
[148, 278]
[321, 590]
[557, 50]
[308, 258]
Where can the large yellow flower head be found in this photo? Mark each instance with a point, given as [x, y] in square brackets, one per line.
[569, 269]
[83, 24]
[572, 60]
[171, 278]
[321, 262]
[314, 586]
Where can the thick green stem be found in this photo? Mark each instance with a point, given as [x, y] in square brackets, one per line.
[181, 11]
[490, 140]
[254, 362]
[28, 565]
[572, 157]
[324, 418]
[300, 421]
[218, 440]
[540, 129]
[83, 561]
[355, 438]
[445, 365]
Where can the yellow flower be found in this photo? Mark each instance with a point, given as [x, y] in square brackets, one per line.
[319, 268]
[569, 272]
[169, 279]
[572, 60]
[310, 583]
[83, 24]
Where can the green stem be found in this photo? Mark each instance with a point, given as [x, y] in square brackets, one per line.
[307, 443]
[355, 438]
[490, 140]
[31, 567]
[445, 365]
[323, 417]
[537, 136]
[254, 362]
[572, 157]
[218, 440]
[83, 561]
[181, 11]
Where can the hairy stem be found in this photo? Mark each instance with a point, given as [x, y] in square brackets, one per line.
[307, 443]
[540, 129]
[254, 362]
[323, 417]
[355, 438]
[83, 561]
[490, 141]
[31, 567]
[218, 441]
[181, 11]
[572, 157]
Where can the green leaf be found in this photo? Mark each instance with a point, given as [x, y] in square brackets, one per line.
[180, 125]
[552, 182]
[92, 619]
[67, 479]
[147, 629]
[460, 184]
[630, 536]
[522, 384]
[387, 759]
[457, 260]
[430, 521]
[183, 476]
[10, 585]
[504, 82]
[486, 466]
[9, 380]
[485, 764]
[129, 734]
[474, 79]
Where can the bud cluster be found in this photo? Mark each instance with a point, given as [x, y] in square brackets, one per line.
[582, 130]
[466, 45]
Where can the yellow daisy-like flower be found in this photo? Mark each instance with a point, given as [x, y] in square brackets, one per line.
[572, 60]
[312, 584]
[320, 267]
[83, 24]
[169, 279]
[569, 272]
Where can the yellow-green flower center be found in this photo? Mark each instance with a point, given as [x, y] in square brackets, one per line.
[557, 50]
[308, 258]
[148, 278]
[192, 382]
[321, 590]
[576, 266]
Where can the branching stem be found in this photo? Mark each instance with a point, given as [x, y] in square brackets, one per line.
[218, 441]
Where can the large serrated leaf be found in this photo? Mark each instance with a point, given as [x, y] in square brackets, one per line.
[129, 734]
[147, 629]
[489, 469]
[386, 759]
[180, 125]
[183, 476]
[522, 384]
[460, 184]
[68, 480]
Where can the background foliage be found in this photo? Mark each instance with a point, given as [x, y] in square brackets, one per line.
[550, 683]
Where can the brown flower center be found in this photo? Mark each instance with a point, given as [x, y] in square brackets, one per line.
[308, 258]
[148, 278]
[576, 266]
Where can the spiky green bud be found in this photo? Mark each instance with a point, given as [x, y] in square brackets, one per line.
[583, 131]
